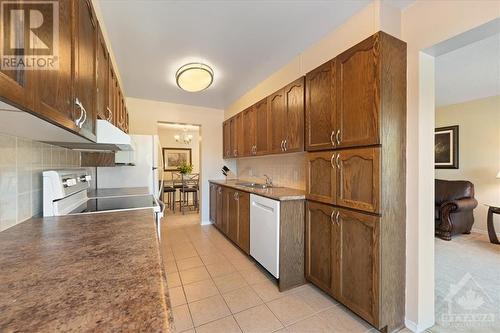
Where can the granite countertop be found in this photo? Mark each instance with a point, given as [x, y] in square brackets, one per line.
[276, 193]
[117, 192]
[90, 272]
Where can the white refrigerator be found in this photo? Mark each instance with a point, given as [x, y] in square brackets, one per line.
[142, 167]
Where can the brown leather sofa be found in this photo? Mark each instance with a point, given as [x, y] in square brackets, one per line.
[454, 203]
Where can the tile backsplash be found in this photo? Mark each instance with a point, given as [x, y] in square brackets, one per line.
[21, 164]
[288, 170]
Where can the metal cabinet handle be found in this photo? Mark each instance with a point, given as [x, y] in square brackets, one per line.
[331, 160]
[337, 161]
[284, 145]
[337, 218]
[331, 216]
[219, 190]
[337, 137]
[281, 145]
[79, 104]
[235, 152]
[85, 117]
[110, 117]
[331, 138]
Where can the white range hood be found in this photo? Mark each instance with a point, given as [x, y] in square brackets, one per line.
[109, 138]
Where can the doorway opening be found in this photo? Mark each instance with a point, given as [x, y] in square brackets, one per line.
[181, 160]
[467, 162]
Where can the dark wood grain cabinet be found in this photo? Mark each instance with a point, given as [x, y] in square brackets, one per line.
[320, 237]
[355, 135]
[261, 130]
[357, 255]
[226, 139]
[85, 69]
[277, 118]
[103, 108]
[82, 88]
[321, 177]
[249, 117]
[320, 108]
[230, 213]
[54, 95]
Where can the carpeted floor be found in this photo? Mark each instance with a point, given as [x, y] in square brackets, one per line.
[467, 285]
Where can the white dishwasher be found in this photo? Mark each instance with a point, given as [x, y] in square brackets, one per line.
[265, 232]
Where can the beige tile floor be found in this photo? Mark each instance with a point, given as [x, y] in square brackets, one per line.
[214, 287]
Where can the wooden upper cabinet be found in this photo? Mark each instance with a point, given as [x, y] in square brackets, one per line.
[54, 88]
[261, 129]
[357, 253]
[102, 89]
[276, 121]
[250, 132]
[293, 124]
[111, 94]
[320, 107]
[240, 136]
[358, 180]
[358, 90]
[226, 140]
[319, 241]
[233, 139]
[17, 86]
[85, 69]
[321, 177]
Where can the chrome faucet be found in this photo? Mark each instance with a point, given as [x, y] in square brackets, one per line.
[269, 181]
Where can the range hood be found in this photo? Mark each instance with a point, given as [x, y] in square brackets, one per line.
[109, 138]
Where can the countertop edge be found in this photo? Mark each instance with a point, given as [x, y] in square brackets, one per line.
[299, 196]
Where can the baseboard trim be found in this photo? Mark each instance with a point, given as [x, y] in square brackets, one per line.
[415, 327]
[482, 232]
[206, 222]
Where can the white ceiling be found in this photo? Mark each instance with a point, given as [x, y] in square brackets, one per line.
[469, 73]
[243, 41]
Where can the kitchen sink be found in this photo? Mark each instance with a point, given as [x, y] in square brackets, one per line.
[254, 185]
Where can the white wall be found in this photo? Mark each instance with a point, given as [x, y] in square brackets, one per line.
[145, 115]
[479, 151]
[167, 140]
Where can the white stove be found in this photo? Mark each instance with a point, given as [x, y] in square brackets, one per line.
[65, 193]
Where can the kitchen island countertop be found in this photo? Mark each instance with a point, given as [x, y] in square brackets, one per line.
[91, 272]
[276, 192]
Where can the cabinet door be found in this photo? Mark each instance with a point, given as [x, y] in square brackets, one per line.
[321, 177]
[219, 215]
[244, 221]
[213, 202]
[277, 121]
[227, 196]
[320, 236]
[233, 141]
[320, 107]
[293, 124]
[240, 135]
[358, 256]
[102, 63]
[233, 216]
[54, 88]
[249, 131]
[226, 145]
[262, 133]
[112, 94]
[85, 70]
[358, 179]
[16, 86]
[358, 103]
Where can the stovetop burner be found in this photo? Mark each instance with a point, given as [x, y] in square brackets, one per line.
[96, 205]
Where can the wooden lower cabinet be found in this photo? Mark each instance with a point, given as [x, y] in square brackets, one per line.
[319, 243]
[343, 257]
[230, 213]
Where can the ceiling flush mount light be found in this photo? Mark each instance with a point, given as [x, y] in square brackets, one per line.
[194, 77]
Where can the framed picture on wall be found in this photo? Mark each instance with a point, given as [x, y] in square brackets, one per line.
[446, 147]
[174, 157]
